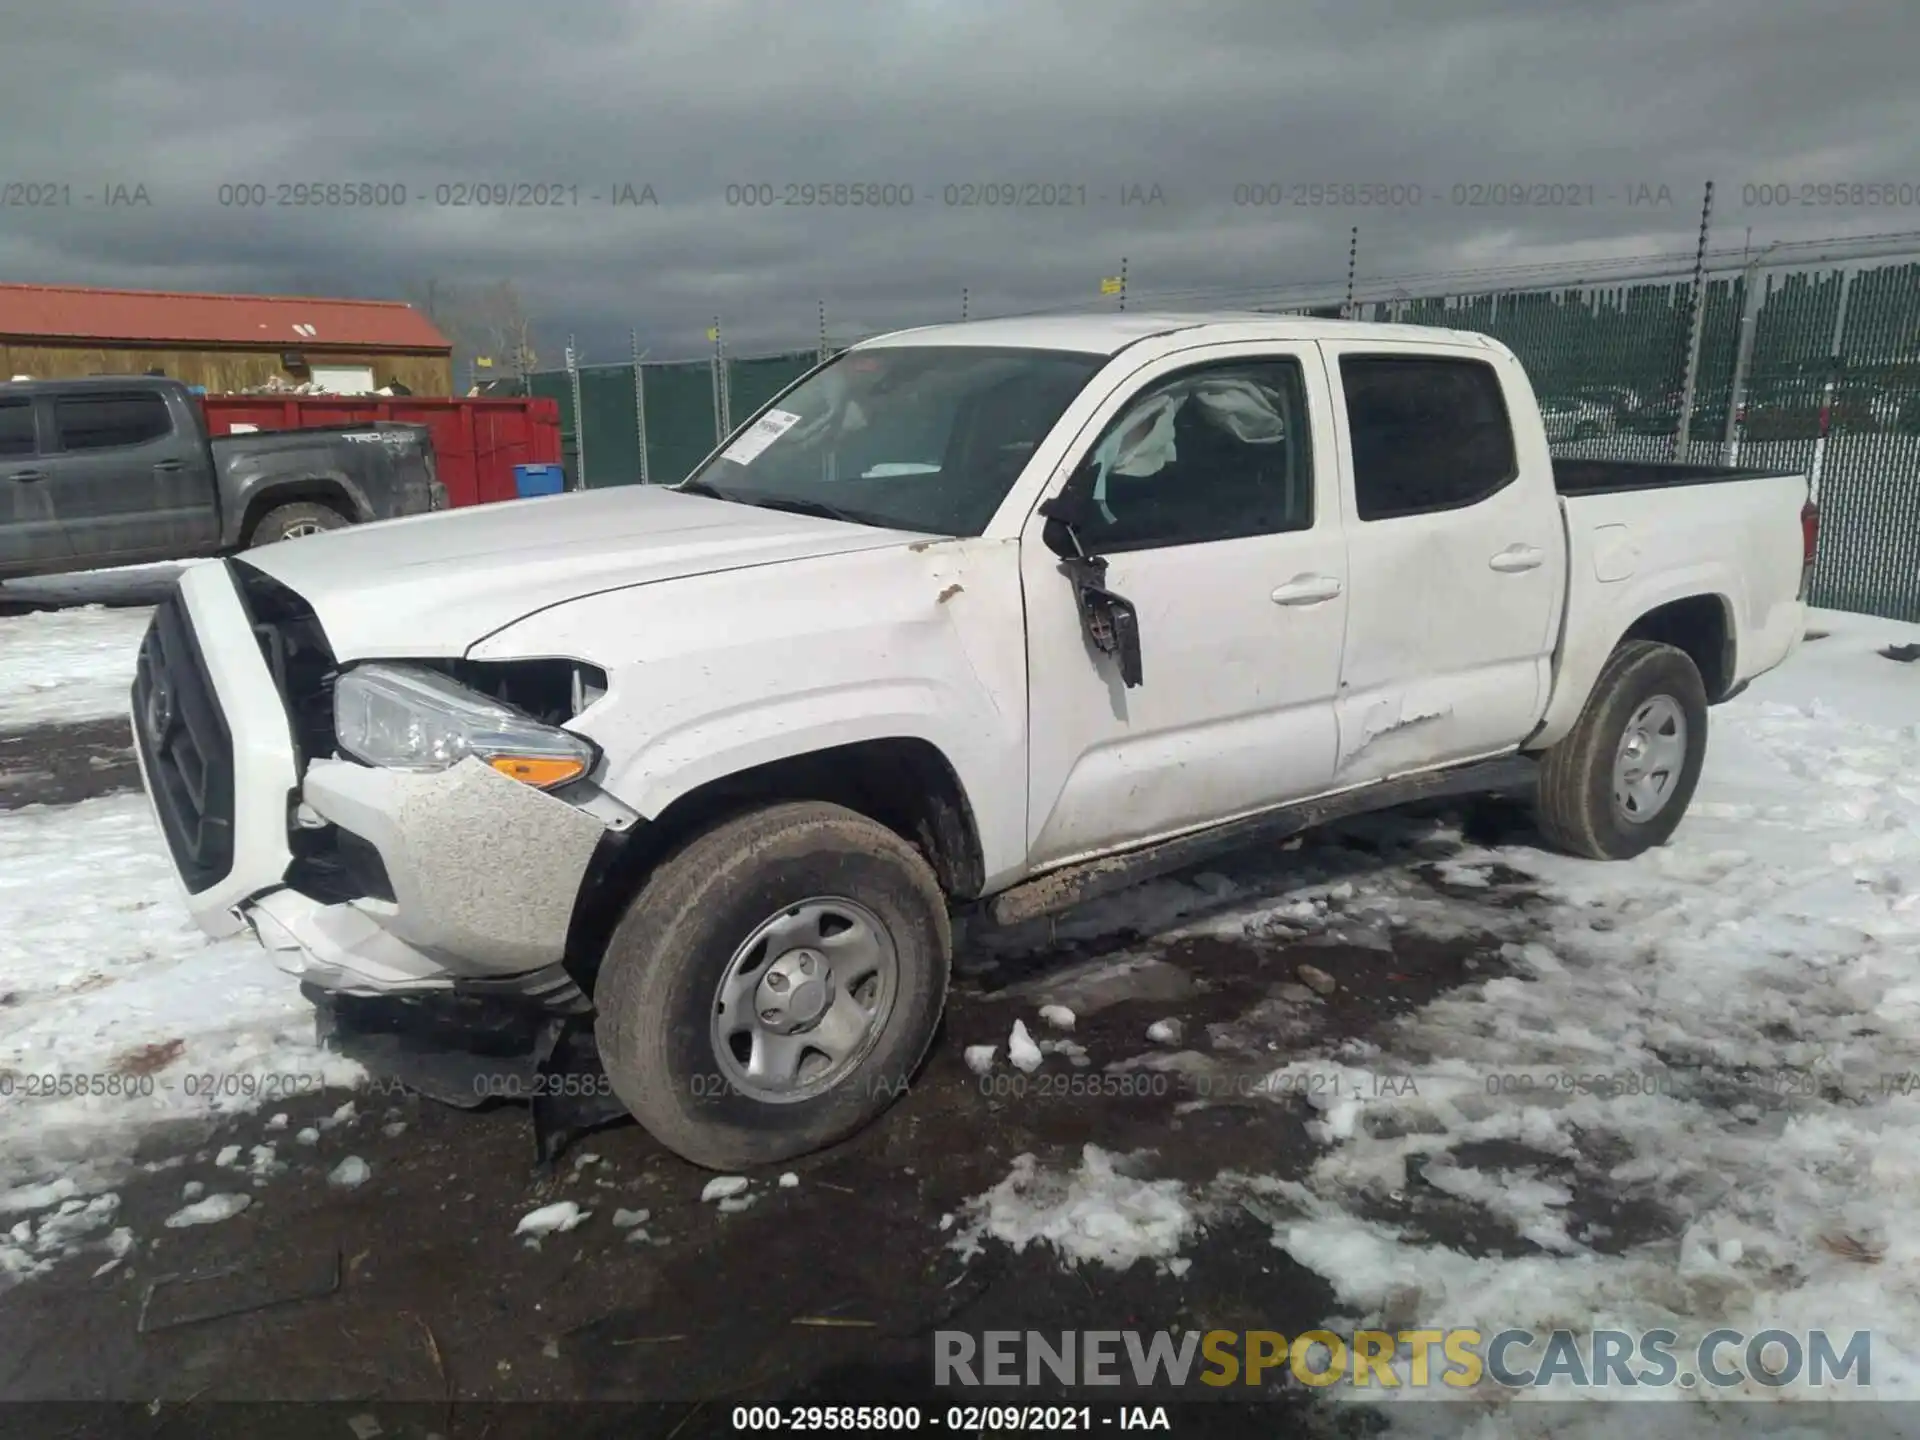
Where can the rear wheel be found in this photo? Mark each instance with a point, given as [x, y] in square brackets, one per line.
[774, 986]
[290, 522]
[1621, 780]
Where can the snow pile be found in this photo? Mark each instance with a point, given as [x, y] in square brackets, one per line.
[210, 1211]
[1096, 1213]
[1022, 1050]
[62, 666]
[112, 981]
[557, 1218]
[33, 1245]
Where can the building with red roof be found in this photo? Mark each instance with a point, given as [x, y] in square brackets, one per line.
[228, 343]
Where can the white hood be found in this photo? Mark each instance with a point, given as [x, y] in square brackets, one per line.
[432, 586]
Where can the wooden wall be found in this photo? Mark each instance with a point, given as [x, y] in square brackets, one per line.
[222, 371]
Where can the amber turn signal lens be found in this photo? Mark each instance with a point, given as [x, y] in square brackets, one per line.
[540, 771]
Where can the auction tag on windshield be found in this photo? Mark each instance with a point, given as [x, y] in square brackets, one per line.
[762, 433]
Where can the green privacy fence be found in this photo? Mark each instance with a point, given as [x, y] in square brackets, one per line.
[1810, 371]
[673, 405]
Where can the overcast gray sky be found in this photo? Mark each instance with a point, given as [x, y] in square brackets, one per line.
[1196, 97]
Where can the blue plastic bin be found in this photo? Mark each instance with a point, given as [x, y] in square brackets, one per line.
[530, 480]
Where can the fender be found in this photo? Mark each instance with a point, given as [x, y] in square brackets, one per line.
[1594, 633]
[716, 674]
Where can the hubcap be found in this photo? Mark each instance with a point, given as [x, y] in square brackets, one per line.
[1647, 765]
[804, 999]
[305, 527]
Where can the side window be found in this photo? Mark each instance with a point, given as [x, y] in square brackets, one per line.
[1212, 454]
[108, 421]
[16, 429]
[1428, 434]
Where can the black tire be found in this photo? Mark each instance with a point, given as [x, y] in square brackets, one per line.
[1575, 806]
[284, 521]
[658, 986]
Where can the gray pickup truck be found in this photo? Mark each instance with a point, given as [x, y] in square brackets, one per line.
[121, 471]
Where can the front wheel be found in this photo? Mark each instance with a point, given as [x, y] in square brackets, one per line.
[1620, 782]
[774, 985]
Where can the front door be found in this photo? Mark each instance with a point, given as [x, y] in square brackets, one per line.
[1458, 558]
[30, 534]
[1215, 502]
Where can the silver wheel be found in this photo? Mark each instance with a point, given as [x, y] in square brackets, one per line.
[804, 999]
[1650, 757]
[305, 527]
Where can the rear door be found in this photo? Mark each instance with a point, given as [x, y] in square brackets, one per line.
[30, 534]
[1457, 554]
[132, 480]
[1218, 514]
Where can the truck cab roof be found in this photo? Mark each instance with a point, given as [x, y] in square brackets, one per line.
[81, 385]
[1111, 333]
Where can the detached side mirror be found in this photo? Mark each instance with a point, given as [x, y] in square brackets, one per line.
[1065, 516]
[1113, 626]
[1110, 621]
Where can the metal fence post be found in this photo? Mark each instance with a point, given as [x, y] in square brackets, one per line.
[719, 387]
[1730, 441]
[640, 406]
[1696, 324]
[579, 418]
[1353, 254]
[1818, 468]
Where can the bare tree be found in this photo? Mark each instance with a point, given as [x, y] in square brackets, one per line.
[482, 321]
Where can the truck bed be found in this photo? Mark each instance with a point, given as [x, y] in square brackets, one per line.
[1605, 477]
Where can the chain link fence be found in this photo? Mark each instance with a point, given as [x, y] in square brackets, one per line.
[1815, 371]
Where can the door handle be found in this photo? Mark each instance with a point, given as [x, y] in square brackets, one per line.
[1307, 590]
[1518, 557]
[28, 475]
[166, 464]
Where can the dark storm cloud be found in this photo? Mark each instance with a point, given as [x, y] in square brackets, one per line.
[691, 97]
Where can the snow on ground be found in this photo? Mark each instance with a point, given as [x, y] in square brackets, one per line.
[1726, 1030]
[1098, 1213]
[62, 666]
[59, 666]
[108, 989]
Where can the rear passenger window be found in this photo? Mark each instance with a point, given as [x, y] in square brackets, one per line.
[16, 428]
[1428, 434]
[106, 422]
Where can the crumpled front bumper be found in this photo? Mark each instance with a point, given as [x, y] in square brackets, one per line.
[483, 870]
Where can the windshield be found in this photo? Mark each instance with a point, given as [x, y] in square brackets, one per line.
[922, 438]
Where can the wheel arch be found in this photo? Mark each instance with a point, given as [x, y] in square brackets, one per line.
[1692, 614]
[308, 490]
[905, 783]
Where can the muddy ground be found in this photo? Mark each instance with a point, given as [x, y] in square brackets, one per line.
[411, 1293]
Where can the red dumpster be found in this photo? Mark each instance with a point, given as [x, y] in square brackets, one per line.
[476, 442]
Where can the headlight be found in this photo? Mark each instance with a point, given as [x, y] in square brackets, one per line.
[406, 717]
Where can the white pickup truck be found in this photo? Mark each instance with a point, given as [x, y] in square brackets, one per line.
[668, 797]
